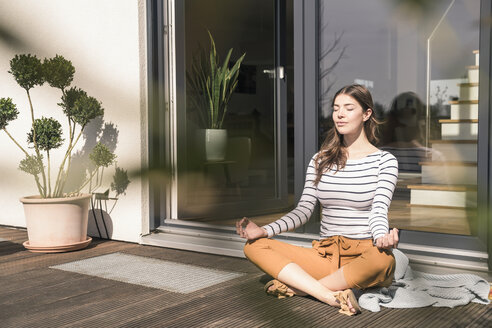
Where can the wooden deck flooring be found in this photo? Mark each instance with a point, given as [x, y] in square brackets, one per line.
[33, 295]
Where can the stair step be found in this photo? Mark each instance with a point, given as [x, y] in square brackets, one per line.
[447, 120]
[443, 196]
[476, 51]
[464, 111]
[439, 187]
[454, 150]
[468, 91]
[449, 173]
[472, 67]
[448, 163]
[432, 206]
[459, 129]
[452, 102]
[453, 141]
[473, 74]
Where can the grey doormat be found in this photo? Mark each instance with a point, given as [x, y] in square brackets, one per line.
[149, 272]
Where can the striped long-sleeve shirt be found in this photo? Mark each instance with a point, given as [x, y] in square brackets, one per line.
[354, 200]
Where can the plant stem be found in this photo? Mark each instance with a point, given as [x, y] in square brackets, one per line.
[34, 140]
[70, 157]
[111, 210]
[18, 145]
[97, 179]
[60, 181]
[101, 177]
[87, 181]
[40, 188]
[49, 175]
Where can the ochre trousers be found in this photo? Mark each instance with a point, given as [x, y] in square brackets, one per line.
[364, 265]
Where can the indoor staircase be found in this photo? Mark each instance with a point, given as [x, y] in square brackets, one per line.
[449, 179]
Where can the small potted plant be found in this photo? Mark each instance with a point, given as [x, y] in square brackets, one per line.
[212, 85]
[56, 218]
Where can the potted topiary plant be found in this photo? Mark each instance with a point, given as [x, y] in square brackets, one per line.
[56, 219]
[212, 86]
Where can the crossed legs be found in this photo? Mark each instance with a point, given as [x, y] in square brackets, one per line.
[301, 283]
[306, 272]
[302, 269]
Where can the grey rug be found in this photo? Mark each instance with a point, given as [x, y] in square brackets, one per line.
[149, 272]
[1, 239]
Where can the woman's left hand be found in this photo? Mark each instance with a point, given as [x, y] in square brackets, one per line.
[389, 240]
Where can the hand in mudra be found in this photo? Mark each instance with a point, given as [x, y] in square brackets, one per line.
[389, 240]
[249, 230]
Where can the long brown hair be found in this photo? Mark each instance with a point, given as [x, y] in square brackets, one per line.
[333, 151]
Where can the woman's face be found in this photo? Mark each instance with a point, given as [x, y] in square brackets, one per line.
[348, 115]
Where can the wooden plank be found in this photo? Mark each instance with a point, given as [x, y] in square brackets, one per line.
[434, 206]
[173, 306]
[81, 306]
[45, 260]
[448, 163]
[38, 296]
[453, 141]
[458, 121]
[457, 102]
[22, 256]
[443, 187]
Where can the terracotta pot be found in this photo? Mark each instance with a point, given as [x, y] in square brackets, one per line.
[56, 224]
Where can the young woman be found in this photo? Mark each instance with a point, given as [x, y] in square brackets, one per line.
[354, 182]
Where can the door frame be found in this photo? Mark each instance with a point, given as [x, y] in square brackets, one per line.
[432, 248]
[167, 94]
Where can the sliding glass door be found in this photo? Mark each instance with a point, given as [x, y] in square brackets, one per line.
[234, 164]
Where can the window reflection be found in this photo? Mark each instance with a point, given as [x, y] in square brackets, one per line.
[425, 94]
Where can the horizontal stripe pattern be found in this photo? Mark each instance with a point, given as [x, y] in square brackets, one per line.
[355, 200]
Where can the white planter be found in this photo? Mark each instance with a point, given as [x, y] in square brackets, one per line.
[214, 144]
[56, 224]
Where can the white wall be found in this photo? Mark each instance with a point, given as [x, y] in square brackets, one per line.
[105, 40]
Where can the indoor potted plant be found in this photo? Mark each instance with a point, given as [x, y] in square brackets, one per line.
[56, 219]
[212, 85]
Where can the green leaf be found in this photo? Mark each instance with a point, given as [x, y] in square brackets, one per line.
[69, 99]
[211, 83]
[27, 71]
[48, 133]
[8, 112]
[85, 109]
[58, 72]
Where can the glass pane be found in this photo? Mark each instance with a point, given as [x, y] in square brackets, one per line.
[421, 66]
[228, 163]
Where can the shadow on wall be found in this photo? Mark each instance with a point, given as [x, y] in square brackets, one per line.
[100, 221]
[97, 131]
[11, 39]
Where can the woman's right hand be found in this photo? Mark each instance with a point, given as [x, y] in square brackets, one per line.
[249, 230]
